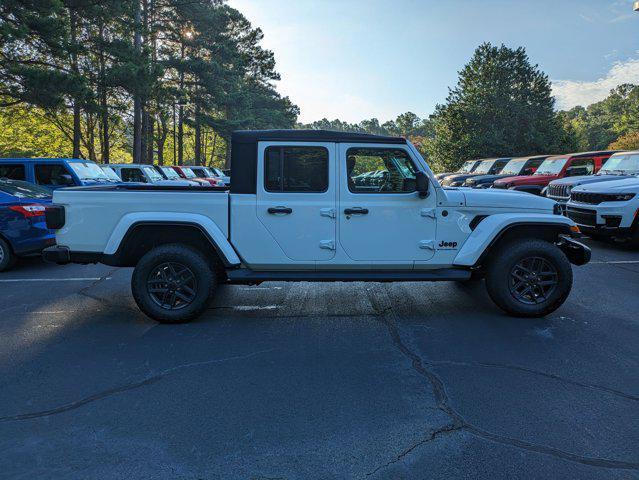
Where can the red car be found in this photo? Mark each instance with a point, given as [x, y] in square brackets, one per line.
[187, 173]
[570, 165]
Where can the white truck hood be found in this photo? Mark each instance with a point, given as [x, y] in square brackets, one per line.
[511, 199]
[588, 179]
[630, 185]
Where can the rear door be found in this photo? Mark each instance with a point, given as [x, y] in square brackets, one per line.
[384, 220]
[296, 197]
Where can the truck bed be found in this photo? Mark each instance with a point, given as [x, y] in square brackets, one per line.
[97, 217]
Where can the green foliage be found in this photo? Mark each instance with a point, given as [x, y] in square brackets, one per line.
[602, 123]
[501, 105]
[628, 141]
[24, 132]
[408, 125]
[91, 68]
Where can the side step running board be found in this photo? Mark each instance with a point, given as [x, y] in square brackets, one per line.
[246, 276]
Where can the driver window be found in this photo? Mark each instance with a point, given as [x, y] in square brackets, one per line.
[584, 166]
[380, 170]
[52, 175]
[132, 175]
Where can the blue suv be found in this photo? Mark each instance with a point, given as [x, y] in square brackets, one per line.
[23, 230]
[53, 173]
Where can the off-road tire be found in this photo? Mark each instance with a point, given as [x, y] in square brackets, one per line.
[199, 268]
[499, 276]
[7, 257]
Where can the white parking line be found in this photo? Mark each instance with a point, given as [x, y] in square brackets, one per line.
[17, 280]
[617, 262]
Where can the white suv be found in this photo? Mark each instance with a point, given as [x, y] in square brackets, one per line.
[608, 209]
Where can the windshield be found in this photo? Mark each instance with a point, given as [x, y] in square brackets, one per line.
[188, 173]
[514, 167]
[620, 165]
[484, 167]
[551, 166]
[24, 190]
[153, 174]
[110, 173]
[89, 171]
[467, 167]
[170, 173]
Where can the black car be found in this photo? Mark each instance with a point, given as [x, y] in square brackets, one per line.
[468, 166]
[516, 167]
[489, 166]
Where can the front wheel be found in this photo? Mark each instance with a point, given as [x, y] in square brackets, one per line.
[173, 283]
[529, 278]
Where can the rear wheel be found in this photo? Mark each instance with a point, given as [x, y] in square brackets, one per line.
[7, 258]
[529, 278]
[173, 283]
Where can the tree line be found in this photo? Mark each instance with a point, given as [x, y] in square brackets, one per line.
[167, 81]
[140, 80]
[502, 105]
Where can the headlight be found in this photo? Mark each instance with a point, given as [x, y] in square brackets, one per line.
[455, 184]
[623, 197]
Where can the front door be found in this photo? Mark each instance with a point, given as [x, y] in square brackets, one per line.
[381, 216]
[296, 198]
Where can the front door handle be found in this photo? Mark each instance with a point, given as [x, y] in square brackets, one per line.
[280, 210]
[356, 211]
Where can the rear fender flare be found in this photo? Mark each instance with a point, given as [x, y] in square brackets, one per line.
[204, 223]
[493, 227]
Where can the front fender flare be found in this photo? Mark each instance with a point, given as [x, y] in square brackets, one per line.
[494, 226]
[204, 223]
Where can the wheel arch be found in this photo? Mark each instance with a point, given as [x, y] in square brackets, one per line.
[492, 232]
[142, 236]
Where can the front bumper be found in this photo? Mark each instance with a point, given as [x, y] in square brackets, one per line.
[577, 252]
[610, 220]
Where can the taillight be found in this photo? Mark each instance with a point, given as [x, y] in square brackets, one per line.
[29, 211]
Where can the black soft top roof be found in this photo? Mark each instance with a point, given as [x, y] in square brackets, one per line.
[244, 149]
[253, 136]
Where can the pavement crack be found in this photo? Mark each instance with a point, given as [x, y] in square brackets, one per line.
[383, 306]
[124, 388]
[432, 436]
[533, 371]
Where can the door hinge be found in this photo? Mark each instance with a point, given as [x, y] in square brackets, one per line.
[428, 213]
[427, 245]
[328, 212]
[327, 244]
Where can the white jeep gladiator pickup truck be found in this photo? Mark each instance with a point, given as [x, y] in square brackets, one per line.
[295, 212]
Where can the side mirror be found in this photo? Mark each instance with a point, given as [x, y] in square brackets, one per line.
[422, 184]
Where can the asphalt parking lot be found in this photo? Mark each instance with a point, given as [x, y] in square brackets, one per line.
[309, 380]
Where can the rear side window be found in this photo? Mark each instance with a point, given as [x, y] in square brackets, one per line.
[296, 169]
[52, 175]
[13, 171]
[132, 175]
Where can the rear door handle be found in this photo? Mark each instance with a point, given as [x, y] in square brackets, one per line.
[356, 211]
[280, 210]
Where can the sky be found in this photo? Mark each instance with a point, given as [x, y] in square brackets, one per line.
[358, 59]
